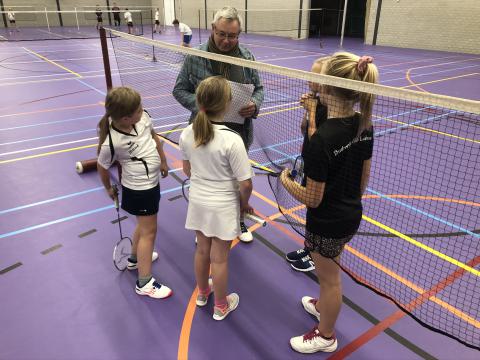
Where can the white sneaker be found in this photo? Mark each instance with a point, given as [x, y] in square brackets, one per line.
[313, 342]
[196, 240]
[154, 290]
[233, 299]
[308, 303]
[246, 235]
[133, 265]
[203, 299]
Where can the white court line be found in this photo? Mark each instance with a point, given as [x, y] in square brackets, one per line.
[267, 60]
[74, 141]
[50, 33]
[73, 78]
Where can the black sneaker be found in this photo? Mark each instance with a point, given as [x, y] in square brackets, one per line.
[305, 264]
[296, 255]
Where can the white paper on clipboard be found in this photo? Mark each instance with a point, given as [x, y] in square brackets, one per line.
[241, 96]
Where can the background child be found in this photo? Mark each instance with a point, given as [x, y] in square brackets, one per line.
[157, 21]
[337, 167]
[126, 135]
[128, 18]
[220, 175]
[98, 12]
[185, 32]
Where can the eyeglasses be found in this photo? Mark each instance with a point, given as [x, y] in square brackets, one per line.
[224, 36]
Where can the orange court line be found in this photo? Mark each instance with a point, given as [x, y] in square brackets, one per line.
[414, 84]
[416, 61]
[188, 318]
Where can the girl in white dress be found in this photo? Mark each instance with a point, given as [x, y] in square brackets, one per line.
[215, 160]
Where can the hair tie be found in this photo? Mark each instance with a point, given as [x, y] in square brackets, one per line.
[203, 109]
[363, 63]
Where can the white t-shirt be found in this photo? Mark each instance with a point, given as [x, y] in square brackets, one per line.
[216, 168]
[128, 16]
[135, 152]
[11, 15]
[157, 15]
[185, 29]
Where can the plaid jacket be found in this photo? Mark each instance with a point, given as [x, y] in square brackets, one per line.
[195, 69]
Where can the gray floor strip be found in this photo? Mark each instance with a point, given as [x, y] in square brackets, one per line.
[121, 219]
[87, 233]
[49, 250]
[7, 269]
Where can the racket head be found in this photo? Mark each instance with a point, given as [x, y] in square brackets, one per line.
[121, 253]
[186, 189]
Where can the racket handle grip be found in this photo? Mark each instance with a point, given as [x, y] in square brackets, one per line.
[256, 219]
[115, 196]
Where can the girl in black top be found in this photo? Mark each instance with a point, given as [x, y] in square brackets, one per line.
[337, 167]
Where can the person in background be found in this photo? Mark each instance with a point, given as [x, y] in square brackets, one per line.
[157, 21]
[116, 14]
[185, 32]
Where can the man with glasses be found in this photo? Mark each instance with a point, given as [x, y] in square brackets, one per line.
[226, 28]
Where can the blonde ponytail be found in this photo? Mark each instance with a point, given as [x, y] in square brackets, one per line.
[213, 95]
[202, 129]
[102, 131]
[353, 67]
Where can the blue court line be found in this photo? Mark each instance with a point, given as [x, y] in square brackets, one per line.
[52, 122]
[76, 216]
[426, 74]
[50, 200]
[404, 113]
[47, 137]
[82, 131]
[6, 211]
[445, 222]
[292, 157]
[414, 123]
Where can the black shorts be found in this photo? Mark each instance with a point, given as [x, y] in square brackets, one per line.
[141, 202]
[327, 247]
[130, 24]
[157, 22]
[12, 21]
[99, 19]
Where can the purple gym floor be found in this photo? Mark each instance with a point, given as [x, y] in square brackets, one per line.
[60, 296]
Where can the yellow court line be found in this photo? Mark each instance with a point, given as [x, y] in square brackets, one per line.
[52, 62]
[46, 154]
[422, 246]
[434, 81]
[430, 130]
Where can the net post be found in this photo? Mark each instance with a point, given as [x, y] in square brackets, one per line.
[109, 15]
[106, 59]
[246, 17]
[343, 22]
[300, 19]
[199, 25]
[2, 7]
[141, 22]
[154, 59]
[76, 18]
[206, 15]
[59, 13]
[46, 17]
